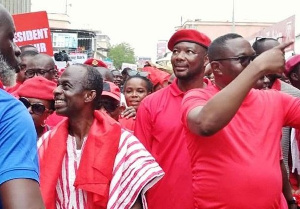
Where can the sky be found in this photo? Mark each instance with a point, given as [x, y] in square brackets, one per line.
[143, 23]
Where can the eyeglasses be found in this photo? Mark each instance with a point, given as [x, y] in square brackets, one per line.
[29, 73]
[109, 106]
[37, 108]
[260, 38]
[135, 72]
[243, 60]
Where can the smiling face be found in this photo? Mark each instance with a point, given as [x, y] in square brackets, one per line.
[135, 90]
[188, 60]
[70, 95]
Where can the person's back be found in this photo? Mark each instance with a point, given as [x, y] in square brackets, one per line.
[159, 128]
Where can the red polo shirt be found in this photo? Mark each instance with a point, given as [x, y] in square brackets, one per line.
[238, 166]
[159, 128]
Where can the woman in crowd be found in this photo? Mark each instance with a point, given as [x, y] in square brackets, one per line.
[136, 88]
[37, 95]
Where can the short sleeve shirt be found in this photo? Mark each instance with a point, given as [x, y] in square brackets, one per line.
[238, 167]
[18, 150]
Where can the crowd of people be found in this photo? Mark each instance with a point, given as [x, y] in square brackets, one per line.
[221, 132]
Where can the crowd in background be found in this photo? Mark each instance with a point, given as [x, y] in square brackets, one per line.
[221, 131]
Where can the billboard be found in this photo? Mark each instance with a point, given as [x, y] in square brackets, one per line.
[284, 31]
[35, 32]
[65, 40]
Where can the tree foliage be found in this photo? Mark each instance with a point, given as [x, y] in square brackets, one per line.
[120, 53]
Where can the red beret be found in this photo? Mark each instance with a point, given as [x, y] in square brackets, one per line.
[291, 63]
[112, 90]
[37, 87]
[188, 35]
[95, 63]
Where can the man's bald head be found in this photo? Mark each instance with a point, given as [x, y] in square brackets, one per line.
[106, 74]
[9, 51]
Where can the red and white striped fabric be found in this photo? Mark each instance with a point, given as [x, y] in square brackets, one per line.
[135, 171]
[68, 196]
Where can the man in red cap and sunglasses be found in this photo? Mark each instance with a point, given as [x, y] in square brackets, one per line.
[159, 127]
[19, 172]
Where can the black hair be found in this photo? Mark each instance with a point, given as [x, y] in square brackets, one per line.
[219, 45]
[149, 84]
[125, 70]
[24, 47]
[93, 81]
[28, 54]
[259, 42]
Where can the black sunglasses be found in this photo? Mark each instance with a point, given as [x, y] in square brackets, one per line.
[29, 73]
[140, 73]
[109, 106]
[243, 60]
[37, 108]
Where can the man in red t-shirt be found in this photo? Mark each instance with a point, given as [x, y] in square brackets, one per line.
[233, 131]
[159, 127]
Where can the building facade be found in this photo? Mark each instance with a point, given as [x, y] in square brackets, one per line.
[17, 6]
[214, 29]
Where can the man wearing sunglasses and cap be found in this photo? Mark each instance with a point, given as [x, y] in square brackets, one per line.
[158, 125]
[233, 131]
[19, 172]
[37, 95]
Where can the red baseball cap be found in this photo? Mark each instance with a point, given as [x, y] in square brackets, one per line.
[37, 87]
[95, 63]
[291, 63]
[112, 90]
[188, 35]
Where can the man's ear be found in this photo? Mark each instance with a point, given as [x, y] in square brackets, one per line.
[215, 66]
[90, 95]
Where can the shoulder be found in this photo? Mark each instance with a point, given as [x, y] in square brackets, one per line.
[201, 93]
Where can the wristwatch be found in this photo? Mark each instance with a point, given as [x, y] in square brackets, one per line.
[293, 201]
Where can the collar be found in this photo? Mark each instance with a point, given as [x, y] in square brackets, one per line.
[175, 89]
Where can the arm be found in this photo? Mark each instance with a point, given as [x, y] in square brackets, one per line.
[25, 191]
[143, 127]
[212, 117]
[19, 174]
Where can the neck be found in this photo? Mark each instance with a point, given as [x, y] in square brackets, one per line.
[196, 82]
[79, 128]
[39, 130]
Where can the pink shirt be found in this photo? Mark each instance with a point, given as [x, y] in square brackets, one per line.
[238, 167]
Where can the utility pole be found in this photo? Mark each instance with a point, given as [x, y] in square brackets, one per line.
[66, 11]
[233, 19]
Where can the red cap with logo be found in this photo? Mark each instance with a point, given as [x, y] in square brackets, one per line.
[189, 35]
[112, 90]
[95, 63]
